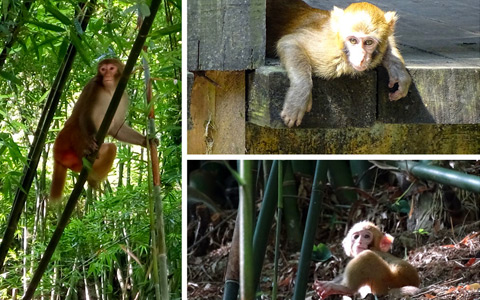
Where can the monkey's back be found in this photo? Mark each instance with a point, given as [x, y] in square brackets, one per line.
[404, 272]
[286, 16]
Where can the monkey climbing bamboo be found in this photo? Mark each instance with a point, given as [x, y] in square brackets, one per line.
[72, 201]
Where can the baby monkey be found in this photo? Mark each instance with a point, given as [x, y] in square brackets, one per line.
[329, 44]
[372, 266]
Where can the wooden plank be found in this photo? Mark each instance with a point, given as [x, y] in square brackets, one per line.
[216, 114]
[226, 34]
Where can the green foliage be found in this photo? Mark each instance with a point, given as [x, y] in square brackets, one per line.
[111, 231]
[421, 231]
[401, 206]
[321, 252]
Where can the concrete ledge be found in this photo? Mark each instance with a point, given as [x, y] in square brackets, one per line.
[337, 103]
[378, 139]
[442, 95]
[437, 95]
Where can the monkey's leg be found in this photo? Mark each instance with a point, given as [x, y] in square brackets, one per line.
[103, 164]
[368, 268]
[58, 181]
[298, 99]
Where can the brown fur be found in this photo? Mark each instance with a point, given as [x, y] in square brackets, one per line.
[77, 138]
[390, 271]
[374, 267]
[312, 41]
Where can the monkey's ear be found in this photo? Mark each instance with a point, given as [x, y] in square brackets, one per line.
[347, 246]
[391, 18]
[335, 19]
[337, 12]
[386, 242]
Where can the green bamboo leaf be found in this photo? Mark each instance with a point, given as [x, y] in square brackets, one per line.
[47, 26]
[78, 27]
[144, 10]
[131, 9]
[58, 15]
[11, 77]
[35, 46]
[63, 50]
[49, 41]
[177, 4]
[77, 42]
[168, 30]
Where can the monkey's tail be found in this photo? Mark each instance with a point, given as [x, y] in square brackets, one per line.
[58, 182]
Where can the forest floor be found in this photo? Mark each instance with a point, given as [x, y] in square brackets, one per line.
[446, 254]
[448, 269]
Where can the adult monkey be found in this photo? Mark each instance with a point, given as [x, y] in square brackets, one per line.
[329, 44]
[77, 138]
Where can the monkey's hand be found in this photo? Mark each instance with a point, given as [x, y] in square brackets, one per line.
[154, 141]
[327, 288]
[398, 74]
[91, 145]
[296, 104]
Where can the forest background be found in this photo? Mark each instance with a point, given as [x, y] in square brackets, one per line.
[106, 249]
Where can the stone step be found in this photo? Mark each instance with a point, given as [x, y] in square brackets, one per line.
[438, 95]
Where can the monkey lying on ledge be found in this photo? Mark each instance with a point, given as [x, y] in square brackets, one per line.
[371, 266]
[329, 44]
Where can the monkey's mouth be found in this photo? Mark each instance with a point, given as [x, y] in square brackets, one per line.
[360, 68]
[360, 249]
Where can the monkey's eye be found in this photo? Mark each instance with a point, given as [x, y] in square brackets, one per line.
[368, 42]
[353, 41]
[367, 236]
[356, 236]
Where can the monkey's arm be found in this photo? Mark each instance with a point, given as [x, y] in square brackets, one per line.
[299, 96]
[82, 116]
[128, 135]
[393, 62]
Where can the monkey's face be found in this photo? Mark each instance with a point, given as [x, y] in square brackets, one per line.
[361, 240]
[360, 48]
[109, 73]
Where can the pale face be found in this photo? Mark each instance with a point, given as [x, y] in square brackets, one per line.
[360, 241]
[108, 71]
[360, 49]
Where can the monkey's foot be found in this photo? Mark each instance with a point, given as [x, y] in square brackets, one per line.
[293, 114]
